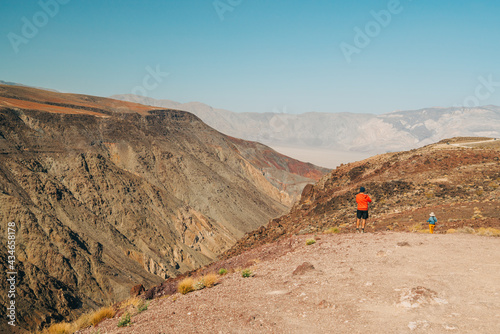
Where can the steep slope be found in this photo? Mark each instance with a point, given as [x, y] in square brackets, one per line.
[107, 194]
[350, 283]
[343, 131]
[458, 179]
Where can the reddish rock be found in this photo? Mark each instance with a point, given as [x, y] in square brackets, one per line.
[137, 290]
[303, 268]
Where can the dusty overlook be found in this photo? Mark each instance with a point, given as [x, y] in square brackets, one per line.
[107, 194]
[459, 181]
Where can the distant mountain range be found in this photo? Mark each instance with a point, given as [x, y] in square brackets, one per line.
[21, 85]
[364, 134]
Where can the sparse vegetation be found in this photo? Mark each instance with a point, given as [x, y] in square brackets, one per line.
[84, 321]
[101, 314]
[125, 320]
[222, 271]
[199, 285]
[310, 241]
[333, 230]
[143, 307]
[488, 231]
[210, 280]
[466, 229]
[62, 328]
[135, 302]
[186, 286]
[418, 228]
[189, 284]
[246, 273]
[483, 231]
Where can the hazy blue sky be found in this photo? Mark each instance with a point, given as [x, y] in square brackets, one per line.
[260, 55]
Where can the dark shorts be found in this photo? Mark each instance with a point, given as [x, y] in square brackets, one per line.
[362, 214]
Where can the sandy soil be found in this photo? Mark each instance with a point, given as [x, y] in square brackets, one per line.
[361, 283]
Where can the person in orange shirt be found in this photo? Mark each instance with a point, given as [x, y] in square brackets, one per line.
[362, 214]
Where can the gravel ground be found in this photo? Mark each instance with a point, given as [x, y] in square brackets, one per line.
[361, 283]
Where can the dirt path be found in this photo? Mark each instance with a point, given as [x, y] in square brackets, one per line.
[361, 283]
[466, 144]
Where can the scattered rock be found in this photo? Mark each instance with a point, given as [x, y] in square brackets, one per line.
[449, 327]
[303, 268]
[419, 296]
[251, 319]
[403, 243]
[381, 253]
[325, 304]
[418, 324]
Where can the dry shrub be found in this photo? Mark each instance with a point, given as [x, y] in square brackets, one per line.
[418, 228]
[210, 280]
[186, 286]
[136, 302]
[83, 321]
[466, 229]
[488, 231]
[333, 230]
[451, 230]
[61, 328]
[101, 314]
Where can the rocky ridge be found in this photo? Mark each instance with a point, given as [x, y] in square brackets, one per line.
[106, 194]
[458, 179]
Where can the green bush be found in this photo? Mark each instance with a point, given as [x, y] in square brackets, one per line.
[125, 320]
[246, 273]
[310, 241]
[222, 271]
[143, 307]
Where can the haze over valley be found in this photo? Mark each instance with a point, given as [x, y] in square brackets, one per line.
[329, 139]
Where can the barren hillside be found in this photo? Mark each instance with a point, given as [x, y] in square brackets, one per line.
[383, 282]
[107, 194]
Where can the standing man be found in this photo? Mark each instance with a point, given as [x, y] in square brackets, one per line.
[362, 199]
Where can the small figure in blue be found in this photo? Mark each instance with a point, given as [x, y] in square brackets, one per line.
[432, 222]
